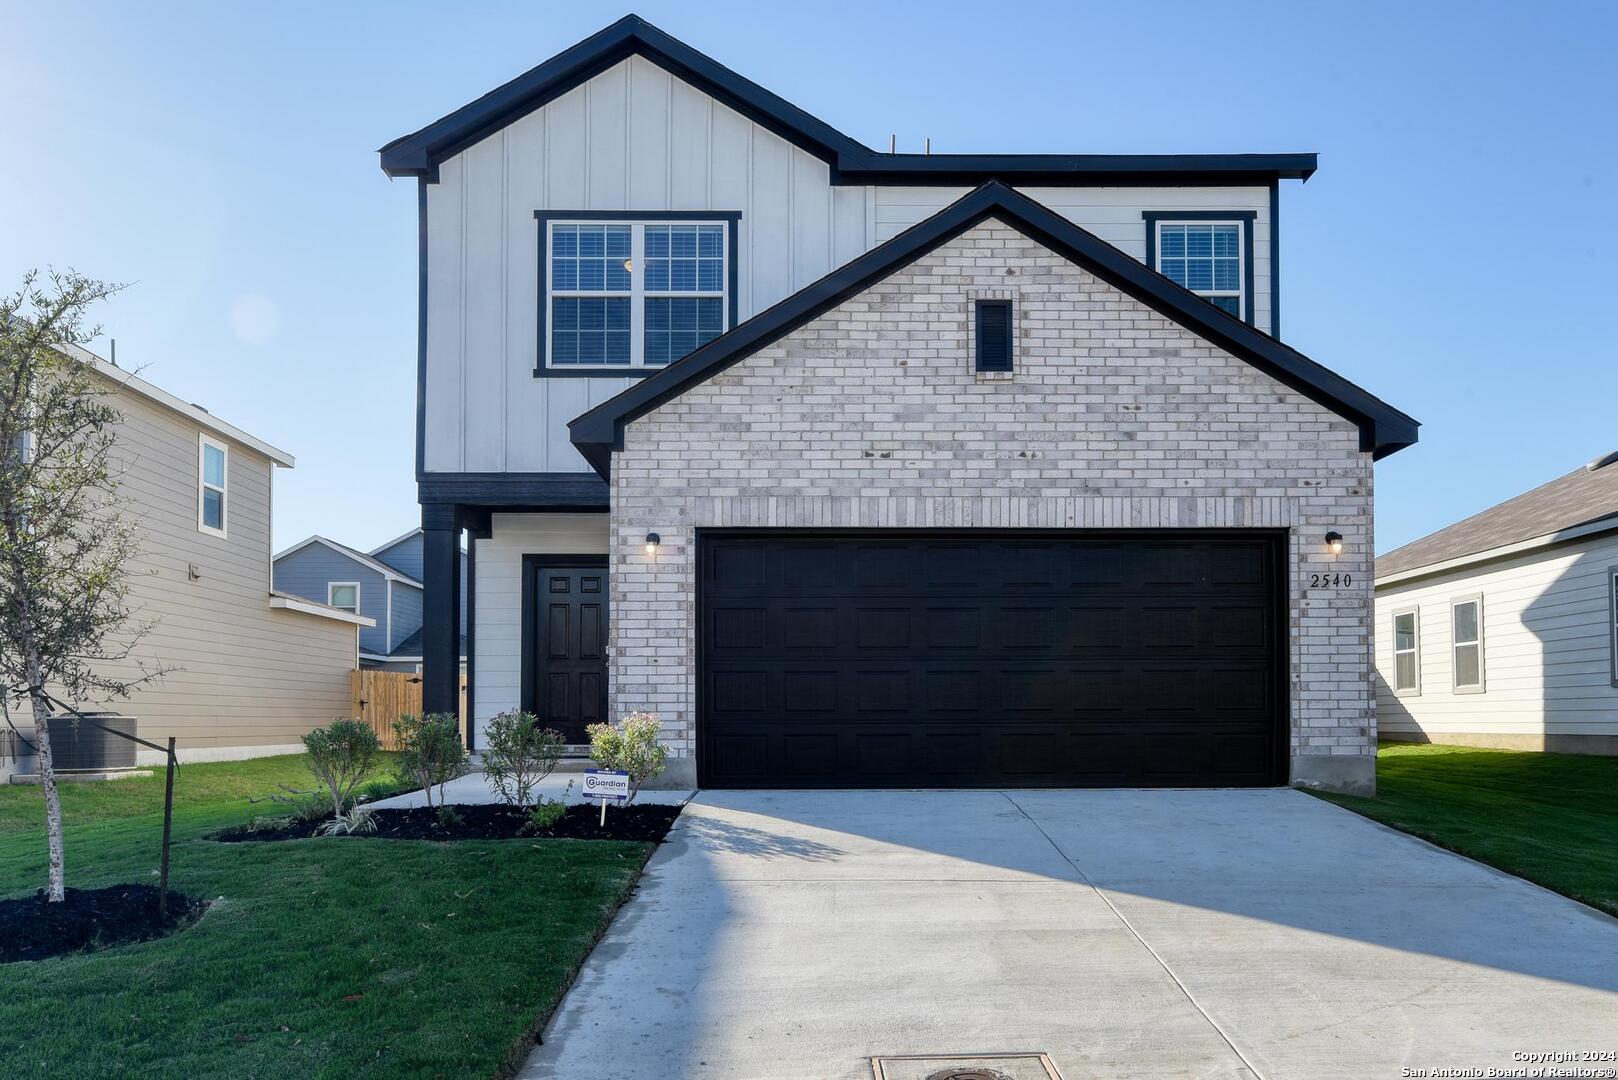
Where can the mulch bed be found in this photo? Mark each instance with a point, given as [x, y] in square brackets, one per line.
[32, 928]
[639, 821]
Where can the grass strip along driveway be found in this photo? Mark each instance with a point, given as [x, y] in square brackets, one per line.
[317, 958]
[1550, 818]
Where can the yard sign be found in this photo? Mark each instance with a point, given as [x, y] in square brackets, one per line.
[608, 785]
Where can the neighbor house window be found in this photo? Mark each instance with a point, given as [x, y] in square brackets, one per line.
[213, 477]
[344, 595]
[1612, 618]
[1406, 650]
[1207, 253]
[634, 295]
[1466, 622]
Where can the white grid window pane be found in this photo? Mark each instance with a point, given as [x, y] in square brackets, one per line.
[678, 325]
[590, 258]
[590, 330]
[685, 258]
[1205, 258]
[634, 293]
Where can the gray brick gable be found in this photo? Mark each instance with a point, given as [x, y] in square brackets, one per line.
[871, 415]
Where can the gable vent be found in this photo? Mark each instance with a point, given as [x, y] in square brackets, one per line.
[994, 335]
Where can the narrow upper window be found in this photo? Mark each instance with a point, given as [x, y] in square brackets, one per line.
[994, 335]
[1209, 253]
[1406, 650]
[344, 594]
[213, 473]
[630, 296]
[1466, 620]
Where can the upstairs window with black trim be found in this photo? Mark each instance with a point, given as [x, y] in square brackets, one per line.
[627, 294]
[1208, 252]
[994, 334]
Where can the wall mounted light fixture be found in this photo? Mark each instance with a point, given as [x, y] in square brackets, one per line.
[1334, 543]
[652, 540]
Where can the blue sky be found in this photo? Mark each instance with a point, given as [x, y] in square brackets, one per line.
[1450, 255]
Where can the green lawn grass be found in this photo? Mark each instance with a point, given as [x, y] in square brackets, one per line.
[318, 958]
[1550, 818]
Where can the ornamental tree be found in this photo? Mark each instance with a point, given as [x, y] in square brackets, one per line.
[66, 628]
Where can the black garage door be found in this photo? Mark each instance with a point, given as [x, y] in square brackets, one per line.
[975, 659]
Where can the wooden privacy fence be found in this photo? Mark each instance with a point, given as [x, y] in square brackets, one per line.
[381, 697]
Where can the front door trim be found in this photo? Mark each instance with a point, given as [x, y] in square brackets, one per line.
[531, 565]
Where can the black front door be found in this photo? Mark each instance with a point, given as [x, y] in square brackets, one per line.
[565, 643]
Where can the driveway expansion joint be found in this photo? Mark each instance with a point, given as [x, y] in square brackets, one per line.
[1105, 899]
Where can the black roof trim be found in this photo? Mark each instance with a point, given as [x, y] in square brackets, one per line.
[1383, 429]
[851, 162]
[418, 154]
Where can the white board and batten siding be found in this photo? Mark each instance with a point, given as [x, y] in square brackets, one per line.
[1547, 651]
[636, 138]
[1111, 213]
[498, 685]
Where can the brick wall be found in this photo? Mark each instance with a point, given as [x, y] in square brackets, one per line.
[872, 416]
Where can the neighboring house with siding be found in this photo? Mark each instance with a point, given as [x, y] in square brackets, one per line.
[878, 469]
[249, 670]
[1502, 629]
[381, 585]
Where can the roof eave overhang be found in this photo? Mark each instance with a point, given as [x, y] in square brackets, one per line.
[850, 161]
[1383, 429]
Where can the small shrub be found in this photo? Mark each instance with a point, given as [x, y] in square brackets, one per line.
[267, 823]
[630, 747]
[518, 754]
[311, 808]
[340, 755]
[377, 789]
[356, 822]
[431, 753]
[448, 817]
[546, 812]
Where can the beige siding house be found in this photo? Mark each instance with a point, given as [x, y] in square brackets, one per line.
[247, 671]
[1502, 630]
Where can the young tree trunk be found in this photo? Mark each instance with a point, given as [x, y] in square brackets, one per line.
[47, 776]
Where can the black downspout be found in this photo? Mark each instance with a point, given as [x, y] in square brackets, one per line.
[471, 601]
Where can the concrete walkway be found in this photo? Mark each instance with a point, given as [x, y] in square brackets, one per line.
[1128, 934]
[472, 789]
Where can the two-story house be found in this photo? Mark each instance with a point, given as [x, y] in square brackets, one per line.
[244, 670]
[382, 584]
[879, 469]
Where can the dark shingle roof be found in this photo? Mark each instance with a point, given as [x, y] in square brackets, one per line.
[411, 646]
[1585, 495]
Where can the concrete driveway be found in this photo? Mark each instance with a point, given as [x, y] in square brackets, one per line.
[1128, 934]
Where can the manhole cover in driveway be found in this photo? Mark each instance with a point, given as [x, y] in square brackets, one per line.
[964, 1067]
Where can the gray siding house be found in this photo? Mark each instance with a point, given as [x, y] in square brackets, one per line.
[1502, 629]
[381, 585]
[878, 469]
[250, 669]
